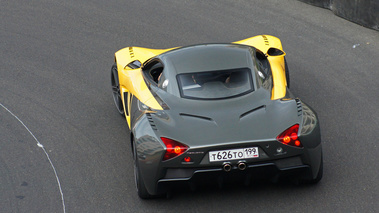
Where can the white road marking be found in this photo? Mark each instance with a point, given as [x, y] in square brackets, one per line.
[47, 155]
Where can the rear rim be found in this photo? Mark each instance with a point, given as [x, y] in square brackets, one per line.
[116, 90]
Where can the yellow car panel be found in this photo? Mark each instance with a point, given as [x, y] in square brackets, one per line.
[264, 43]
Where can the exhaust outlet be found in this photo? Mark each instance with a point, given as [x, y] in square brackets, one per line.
[241, 166]
[227, 167]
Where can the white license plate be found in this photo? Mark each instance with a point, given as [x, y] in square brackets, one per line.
[233, 154]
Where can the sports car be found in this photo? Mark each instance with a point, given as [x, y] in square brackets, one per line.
[214, 112]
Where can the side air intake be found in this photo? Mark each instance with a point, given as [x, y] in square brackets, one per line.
[151, 121]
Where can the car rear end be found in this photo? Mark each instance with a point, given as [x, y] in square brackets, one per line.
[267, 139]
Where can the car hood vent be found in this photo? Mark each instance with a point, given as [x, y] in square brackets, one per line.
[151, 121]
[195, 116]
[252, 111]
[299, 107]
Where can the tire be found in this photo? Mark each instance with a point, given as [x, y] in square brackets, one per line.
[287, 72]
[319, 174]
[116, 90]
[140, 185]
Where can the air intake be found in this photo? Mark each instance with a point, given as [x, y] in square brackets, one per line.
[195, 116]
[151, 121]
[299, 107]
[253, 110]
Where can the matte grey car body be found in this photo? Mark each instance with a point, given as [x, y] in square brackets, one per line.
[249, 119]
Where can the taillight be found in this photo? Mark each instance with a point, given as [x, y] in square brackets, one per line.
[290, 137]
[173, 148]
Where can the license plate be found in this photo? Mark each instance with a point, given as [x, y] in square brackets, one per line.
[233, 154]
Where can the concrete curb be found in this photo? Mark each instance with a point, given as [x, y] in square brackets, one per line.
[363, 12]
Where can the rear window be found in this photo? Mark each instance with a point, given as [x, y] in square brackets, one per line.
[215, 84]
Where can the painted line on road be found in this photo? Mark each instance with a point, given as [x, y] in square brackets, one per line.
[43, 148]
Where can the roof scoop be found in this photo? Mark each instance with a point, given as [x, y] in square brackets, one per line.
[275, 52]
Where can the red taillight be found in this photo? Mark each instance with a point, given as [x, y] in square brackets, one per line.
[173, 148]
[290, 137]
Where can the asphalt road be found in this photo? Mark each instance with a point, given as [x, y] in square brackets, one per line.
[63, 146]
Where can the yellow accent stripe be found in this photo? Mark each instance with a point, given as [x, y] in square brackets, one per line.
[279, 88]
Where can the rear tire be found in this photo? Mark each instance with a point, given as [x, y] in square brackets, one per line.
[116, 90]
[319, 174]
[140, 185]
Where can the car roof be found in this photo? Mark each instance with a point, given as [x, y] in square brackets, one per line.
[207, 57]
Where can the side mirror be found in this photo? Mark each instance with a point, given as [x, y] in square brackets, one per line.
[275, 52]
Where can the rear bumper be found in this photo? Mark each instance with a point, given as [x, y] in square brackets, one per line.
[269, 169]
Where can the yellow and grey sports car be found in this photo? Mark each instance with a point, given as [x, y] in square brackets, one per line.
[213, 112]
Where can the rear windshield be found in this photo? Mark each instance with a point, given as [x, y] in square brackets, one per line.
[215, 84]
